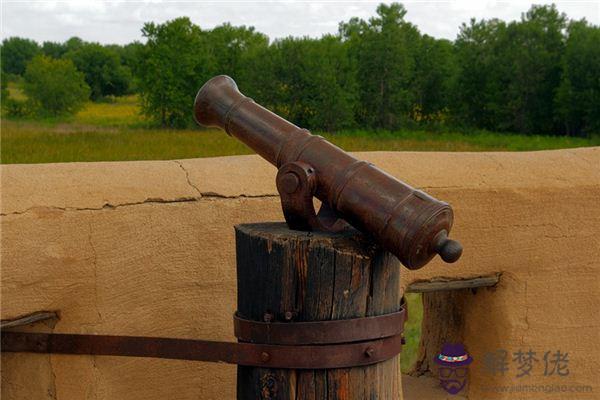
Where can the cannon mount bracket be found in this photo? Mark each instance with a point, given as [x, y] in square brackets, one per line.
[297, 183]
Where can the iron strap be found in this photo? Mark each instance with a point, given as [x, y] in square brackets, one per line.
[296, 345]
[320, 332]
[249, 354]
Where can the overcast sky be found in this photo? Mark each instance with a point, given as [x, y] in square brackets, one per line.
[121, 21]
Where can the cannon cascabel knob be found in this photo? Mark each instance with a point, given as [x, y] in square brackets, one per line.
[448, 249]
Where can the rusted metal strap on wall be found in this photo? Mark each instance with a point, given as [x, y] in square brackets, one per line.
[363, 341]
[250, 354]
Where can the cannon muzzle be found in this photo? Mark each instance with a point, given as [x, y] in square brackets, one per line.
[407, 222]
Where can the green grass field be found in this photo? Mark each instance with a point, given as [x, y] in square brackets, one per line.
[116, 131]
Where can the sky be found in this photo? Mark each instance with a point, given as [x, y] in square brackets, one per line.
[121, 21]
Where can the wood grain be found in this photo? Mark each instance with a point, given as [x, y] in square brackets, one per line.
[28, 319]
[316, 277]
[436, 284]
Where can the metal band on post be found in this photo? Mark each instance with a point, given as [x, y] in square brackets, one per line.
[320, 332]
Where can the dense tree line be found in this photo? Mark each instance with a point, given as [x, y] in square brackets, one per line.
[538, 75]
[107, 69]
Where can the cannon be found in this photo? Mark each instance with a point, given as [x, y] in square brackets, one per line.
[407, 222]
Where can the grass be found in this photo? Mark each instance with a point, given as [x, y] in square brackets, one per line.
[121, 111]
[29, 142]
[455, 141]
[116, 131]
[412, 331]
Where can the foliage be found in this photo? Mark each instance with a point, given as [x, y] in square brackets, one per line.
[103, 70]
[175, 62]
[13, 107]
[433, 83]
[55, 87]
[578, 97]
[233, 50]
[310, 82]
[3, 86]
[509, 73]
[16, 53]
[16, 108]
[54, 49]
[382, 49]
[479, 81]
[534, 52]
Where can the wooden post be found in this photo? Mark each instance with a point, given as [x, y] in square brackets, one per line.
[309, 276]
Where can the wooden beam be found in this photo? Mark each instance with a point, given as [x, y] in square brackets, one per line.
[437, 284]
[28, 319]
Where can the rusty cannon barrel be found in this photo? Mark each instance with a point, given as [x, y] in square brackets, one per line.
[407, 222]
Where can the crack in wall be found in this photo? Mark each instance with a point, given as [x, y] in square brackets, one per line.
[187, 177]
[208, 195]
[52, 384]
[110, 206]
[95, 266]
[96, 377]
[238, 196]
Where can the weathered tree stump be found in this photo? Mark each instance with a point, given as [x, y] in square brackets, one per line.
[315, 277]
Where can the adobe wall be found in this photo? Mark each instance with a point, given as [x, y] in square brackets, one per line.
[147, 248]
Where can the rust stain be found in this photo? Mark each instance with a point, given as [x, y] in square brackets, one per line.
[342, 386]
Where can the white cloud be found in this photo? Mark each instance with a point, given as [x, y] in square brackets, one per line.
[121, 21]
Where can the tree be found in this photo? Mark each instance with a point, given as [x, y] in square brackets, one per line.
[533, 49]
[54, 49]
[174, 63]
[3, 86]
[11, 106]
[16, 53]
[55, 87]
[130, 60]
[383, 51]
[333, 97]
[311, 82]
[578, 96]
[130, 54]
[481, 77]
[102, 68]
[74, 43]
[508, 74]
[435, 73]
[231, 47]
